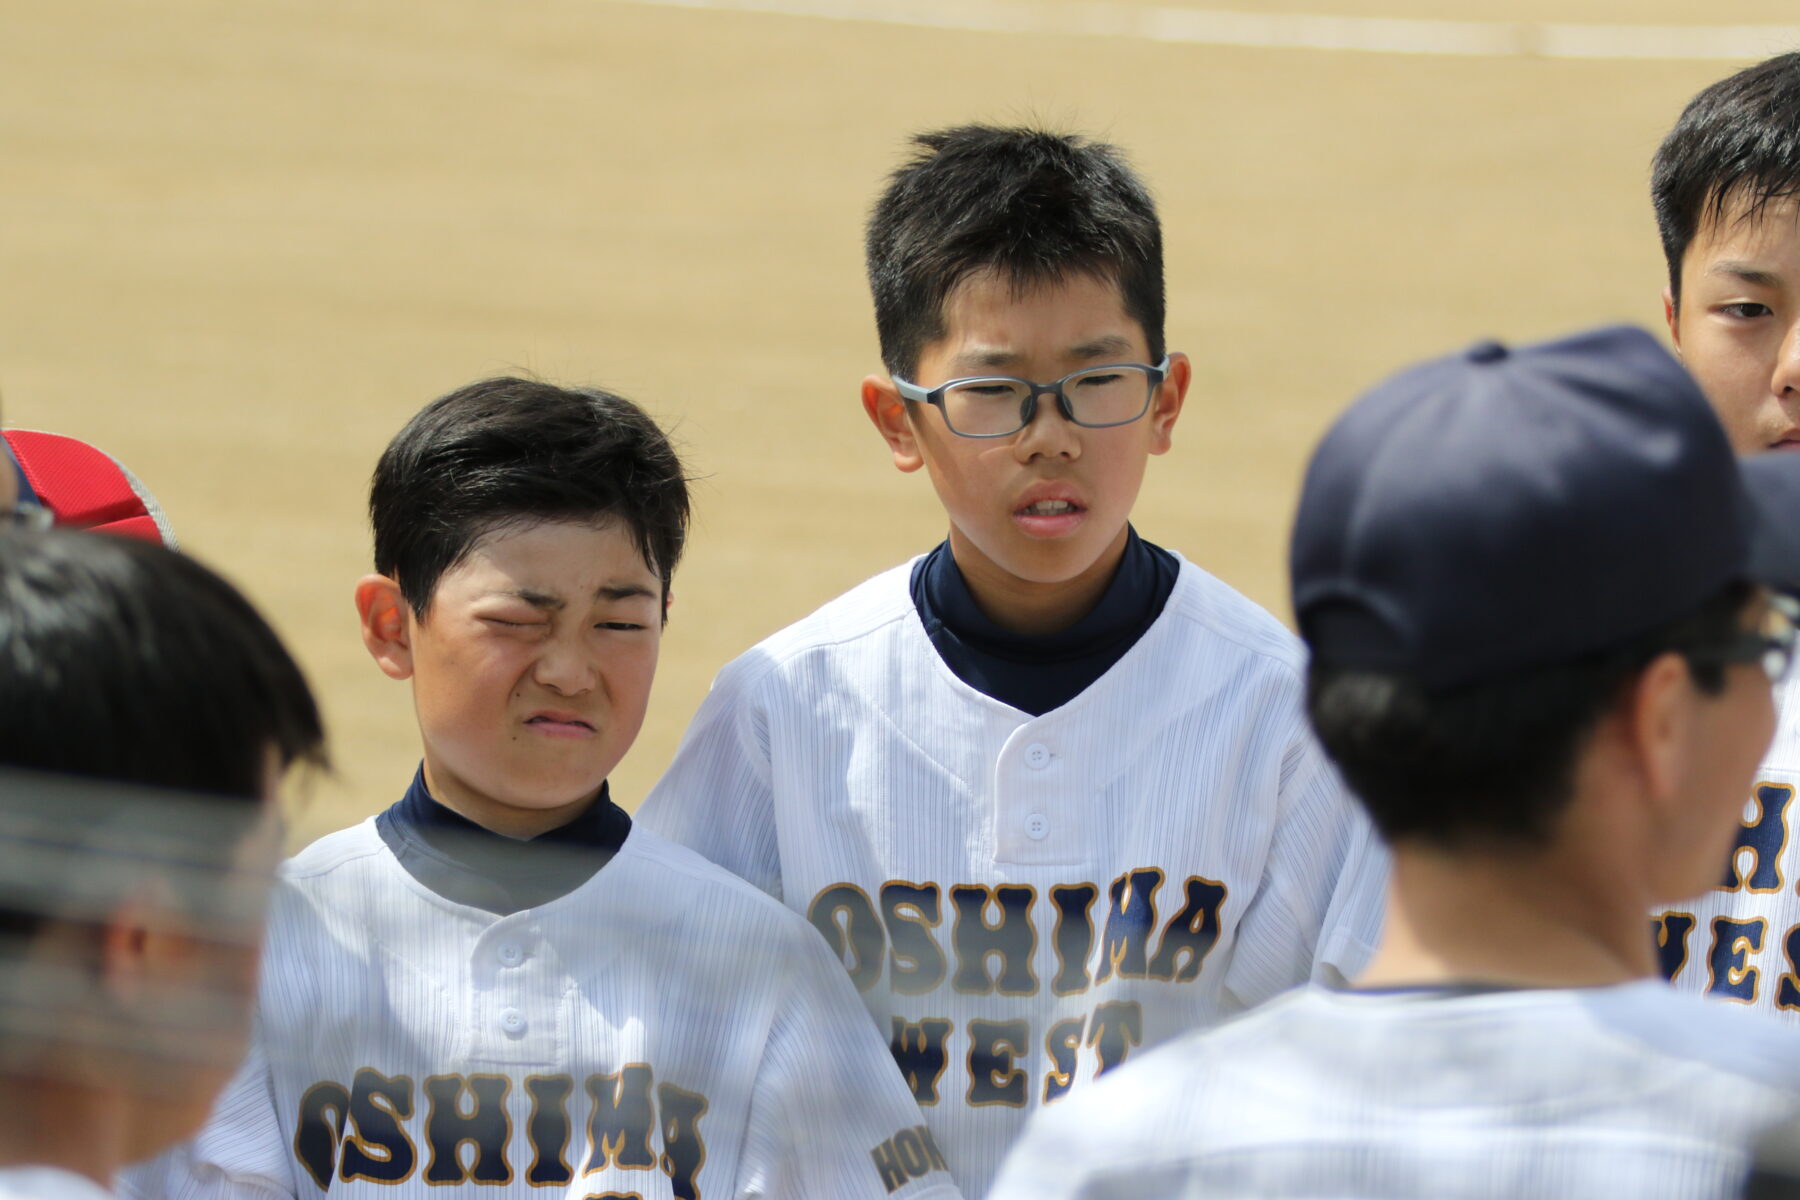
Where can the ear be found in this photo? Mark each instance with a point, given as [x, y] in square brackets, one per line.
[134, 946]
[1659, 716]
[887, 411]
[1669, 315]
[1165, 406]
[386, 625]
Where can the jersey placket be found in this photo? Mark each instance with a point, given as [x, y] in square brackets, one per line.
[516, 1006]
[1040, 817]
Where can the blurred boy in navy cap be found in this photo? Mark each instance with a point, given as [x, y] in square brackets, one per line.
[1543, 604]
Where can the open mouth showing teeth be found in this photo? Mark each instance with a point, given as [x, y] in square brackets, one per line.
[1048, 508]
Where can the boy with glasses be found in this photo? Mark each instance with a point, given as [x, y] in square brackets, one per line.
[1537, 599]
[1047, 790]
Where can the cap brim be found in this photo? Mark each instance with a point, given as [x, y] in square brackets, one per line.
[1772, 491]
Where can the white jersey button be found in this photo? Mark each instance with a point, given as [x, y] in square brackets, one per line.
[513, 1021]
[511, 955]
[1037, 756]
[1037, 827]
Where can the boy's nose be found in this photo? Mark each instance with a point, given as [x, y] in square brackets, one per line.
[1049, 431]
[1786, 381]
[565, 669]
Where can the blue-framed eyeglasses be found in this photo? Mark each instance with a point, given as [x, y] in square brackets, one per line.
[985, 406]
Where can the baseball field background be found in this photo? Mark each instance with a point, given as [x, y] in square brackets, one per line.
[241, 241]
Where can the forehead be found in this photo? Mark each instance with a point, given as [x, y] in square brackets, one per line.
[567, 559]
[987, 308]
[1742, 230]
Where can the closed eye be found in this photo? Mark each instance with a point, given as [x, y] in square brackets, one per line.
[513, 624]
[618, 625]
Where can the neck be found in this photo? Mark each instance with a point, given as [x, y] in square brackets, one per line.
[1027, 606]
[494, 816]
[77, 1128]
[1528, 918]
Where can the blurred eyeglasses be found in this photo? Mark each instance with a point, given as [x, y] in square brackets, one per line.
[1772, 647]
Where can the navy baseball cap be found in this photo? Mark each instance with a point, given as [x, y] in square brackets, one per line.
[1502, 508]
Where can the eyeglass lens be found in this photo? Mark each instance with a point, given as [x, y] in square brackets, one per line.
[1780, 630]
[1107, 396]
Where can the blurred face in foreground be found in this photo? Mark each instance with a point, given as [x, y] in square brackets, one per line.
[1710, 764]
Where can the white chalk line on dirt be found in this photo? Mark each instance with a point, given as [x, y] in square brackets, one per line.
[1288, 31]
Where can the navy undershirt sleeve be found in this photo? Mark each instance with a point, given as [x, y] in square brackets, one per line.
[1037, 674]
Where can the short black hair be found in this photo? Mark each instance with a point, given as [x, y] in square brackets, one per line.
[1033, 206]
[510, 450]
[123, 661]
[1737, 142]
[1492, 762]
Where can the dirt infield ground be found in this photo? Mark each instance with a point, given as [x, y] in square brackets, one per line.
[240, 242]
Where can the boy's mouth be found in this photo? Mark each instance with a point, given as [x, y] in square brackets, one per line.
[560, 725]
[1049, 516]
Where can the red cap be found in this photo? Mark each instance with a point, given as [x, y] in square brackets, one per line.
[87, 488]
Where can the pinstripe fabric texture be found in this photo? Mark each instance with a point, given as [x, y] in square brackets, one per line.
[1553, 1095]
[1740, 942]
[1024, 901]
[663, 1030]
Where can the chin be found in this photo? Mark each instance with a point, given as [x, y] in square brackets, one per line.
[552, 790]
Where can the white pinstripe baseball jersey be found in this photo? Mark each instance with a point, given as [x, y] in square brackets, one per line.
[1740, 942]
[1023, 901]
[1499, 1095]
[663, 1030]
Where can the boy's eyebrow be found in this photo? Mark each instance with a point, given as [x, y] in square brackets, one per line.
[608, 591]
[1745, 272]
[1108, 346]
[534, 598]
[985, 360]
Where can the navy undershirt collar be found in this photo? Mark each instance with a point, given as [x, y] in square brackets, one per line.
[1038, 673]
[467, 864]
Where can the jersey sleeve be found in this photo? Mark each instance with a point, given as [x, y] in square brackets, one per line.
[1317, 912]
[1055, 1156]
[830, 1115]
[239, 1154]
[716, 798]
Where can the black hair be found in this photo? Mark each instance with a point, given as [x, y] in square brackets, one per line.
[1032, 206]
[1737, 142]
[124, 661]
[509, 450]
[1492, 762]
